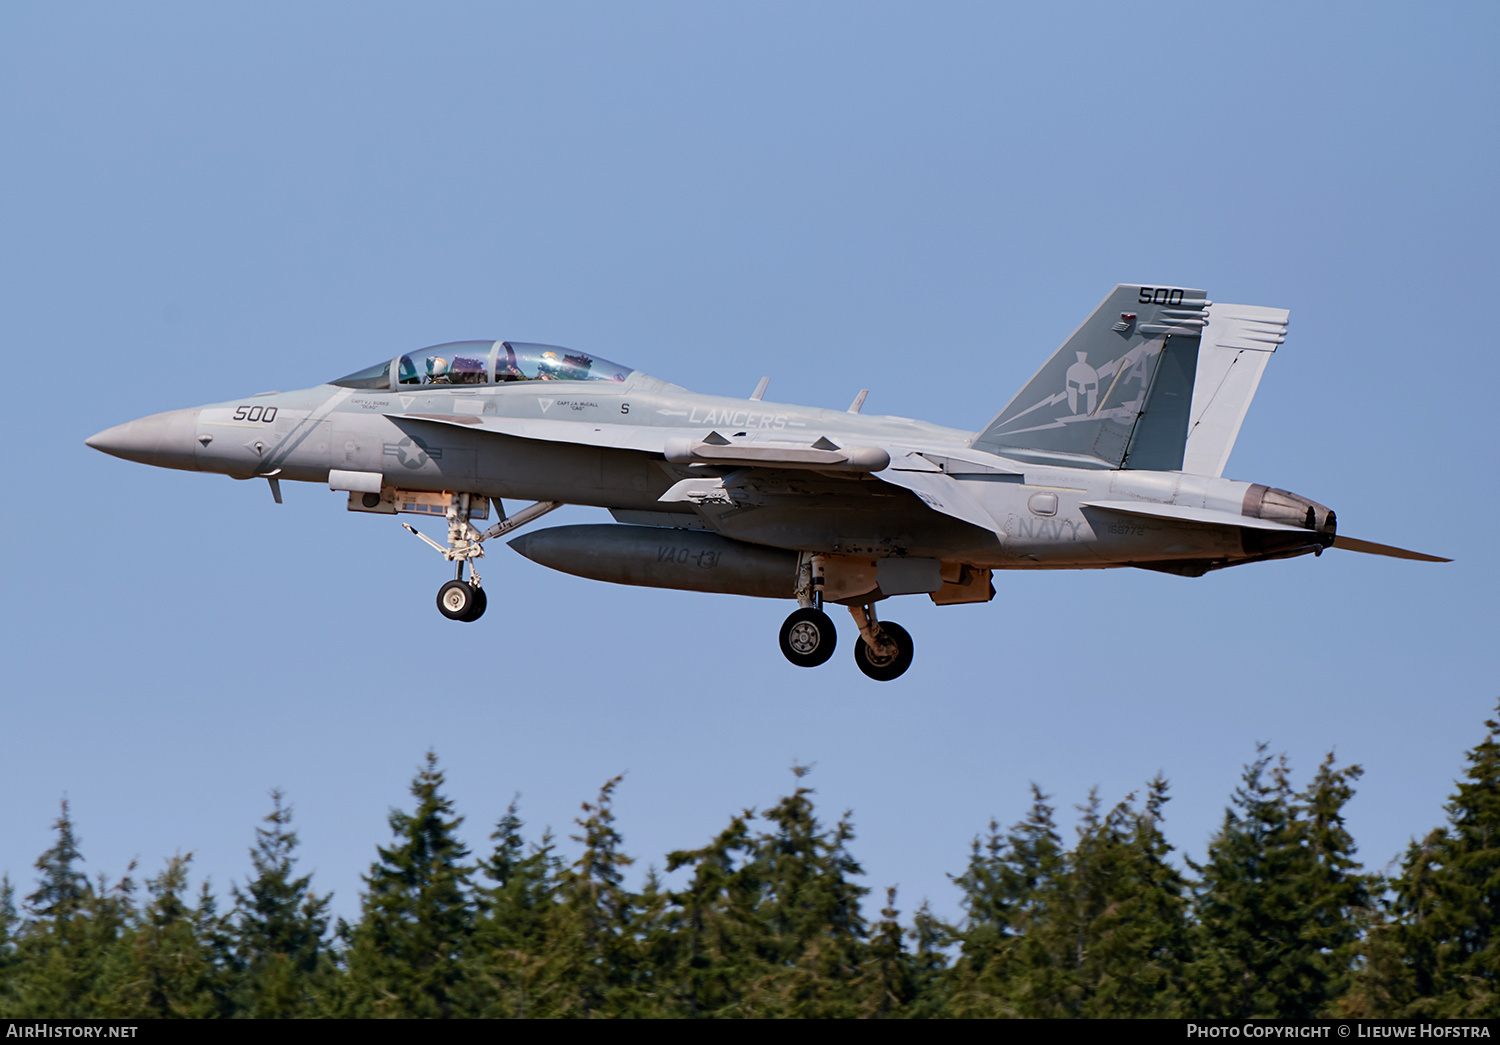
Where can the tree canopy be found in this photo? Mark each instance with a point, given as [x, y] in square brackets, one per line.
[772, 918]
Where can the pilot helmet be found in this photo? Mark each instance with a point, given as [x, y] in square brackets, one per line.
[437, 366]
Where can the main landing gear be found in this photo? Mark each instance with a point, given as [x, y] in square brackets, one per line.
[461, 599]
[884, 650]
[808, 638]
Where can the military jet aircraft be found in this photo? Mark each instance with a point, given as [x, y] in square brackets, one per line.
[1111, 455]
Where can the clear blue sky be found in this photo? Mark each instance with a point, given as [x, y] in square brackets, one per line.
[204, 201]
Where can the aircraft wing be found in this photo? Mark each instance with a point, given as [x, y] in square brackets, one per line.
[943, 493]
[679, 445]
[928, 474]
[622, 437]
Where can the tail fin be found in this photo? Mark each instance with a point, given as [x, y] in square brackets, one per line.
[1235, 348]
[1118, 393]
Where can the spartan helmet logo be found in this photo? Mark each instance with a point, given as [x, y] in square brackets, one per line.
[1082, 381]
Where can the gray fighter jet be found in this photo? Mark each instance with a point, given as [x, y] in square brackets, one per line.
[1112, 455]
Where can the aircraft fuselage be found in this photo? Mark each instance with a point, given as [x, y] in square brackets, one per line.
[1044, 521]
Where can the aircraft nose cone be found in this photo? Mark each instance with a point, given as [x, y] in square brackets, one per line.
[166, 440]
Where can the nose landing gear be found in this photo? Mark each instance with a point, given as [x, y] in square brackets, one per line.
[459, 600]
[465, 600]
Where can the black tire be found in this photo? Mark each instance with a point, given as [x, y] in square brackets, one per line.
[883, 669]
[481, 600]
[808, 638]
[456, 600]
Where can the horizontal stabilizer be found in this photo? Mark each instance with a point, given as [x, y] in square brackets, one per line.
[1350, 544]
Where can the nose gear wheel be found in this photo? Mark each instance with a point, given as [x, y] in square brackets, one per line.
[460, 600]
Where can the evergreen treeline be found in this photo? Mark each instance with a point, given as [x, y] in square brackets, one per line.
[1278, 921]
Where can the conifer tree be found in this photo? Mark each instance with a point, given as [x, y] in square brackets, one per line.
[515, 910]
[1002, 887]
[71, 935]
[813, 929]
[1446, 934]
[886, 985]
[215, 934]
[1280, 902]
[654, 953]
[1097, 930]
[63, 888]
[409, 949]
[1339, 899]
[1114, 924]
[712, 945]
[167, 968]
[931, 976]
[280, 928]
[10, 927]
[593, 954]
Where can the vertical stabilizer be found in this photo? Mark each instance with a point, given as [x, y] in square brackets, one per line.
[1118, 393]
[1236, 346]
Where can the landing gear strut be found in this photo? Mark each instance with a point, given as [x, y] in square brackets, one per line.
[884, 650]
[807, 636]
[465, 600]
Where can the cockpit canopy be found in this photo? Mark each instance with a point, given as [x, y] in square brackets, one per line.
[483, 363]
